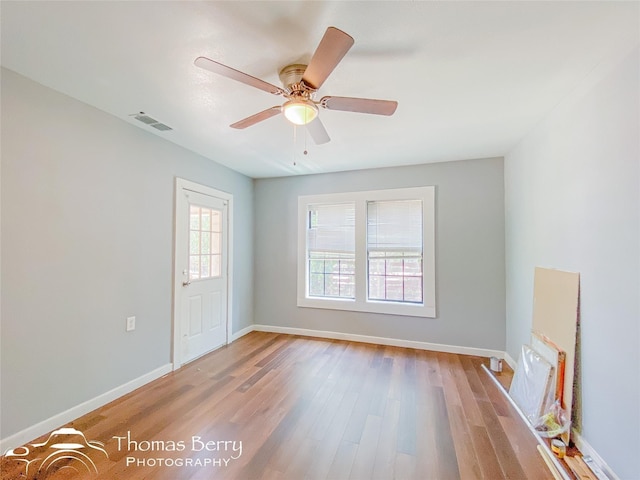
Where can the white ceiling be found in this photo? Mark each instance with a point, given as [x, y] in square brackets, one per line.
[471, 78]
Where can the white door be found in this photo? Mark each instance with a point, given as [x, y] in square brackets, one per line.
[201, 271]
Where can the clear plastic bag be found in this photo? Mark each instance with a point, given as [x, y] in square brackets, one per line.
[531, 383]
[554, 422]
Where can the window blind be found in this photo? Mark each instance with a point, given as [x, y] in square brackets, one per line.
[332, 228]
[394, 226]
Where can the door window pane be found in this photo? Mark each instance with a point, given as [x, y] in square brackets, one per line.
[205, 260]
[194, 242]
[205, 242]
[206, 219]
[216, 270]
[194, 221]
[194, 267]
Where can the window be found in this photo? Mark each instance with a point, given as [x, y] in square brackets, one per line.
[331, 250]
[394, 250]
[368, 251]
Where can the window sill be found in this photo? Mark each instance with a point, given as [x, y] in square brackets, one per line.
[386, 308]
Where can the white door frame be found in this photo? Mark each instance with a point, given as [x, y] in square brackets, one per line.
[182, 184]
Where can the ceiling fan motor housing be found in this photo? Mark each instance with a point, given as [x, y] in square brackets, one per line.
[291, 77]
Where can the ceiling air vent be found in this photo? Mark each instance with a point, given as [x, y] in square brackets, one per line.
[152, 122]
[161, 126]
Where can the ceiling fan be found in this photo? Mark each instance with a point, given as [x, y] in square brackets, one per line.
[301, 82]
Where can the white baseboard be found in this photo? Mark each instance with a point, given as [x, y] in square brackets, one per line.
[587, 449]
[34, 431]
[510, 361]
[241, 333]
[394, 342]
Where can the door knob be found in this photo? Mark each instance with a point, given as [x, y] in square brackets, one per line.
[187, 283]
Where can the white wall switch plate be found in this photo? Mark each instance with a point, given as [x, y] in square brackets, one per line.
[131, 324]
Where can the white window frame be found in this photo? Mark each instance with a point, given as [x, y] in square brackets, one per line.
[360, 304]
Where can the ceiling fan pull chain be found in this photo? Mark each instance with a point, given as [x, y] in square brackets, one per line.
[293, 150]
[305, 142]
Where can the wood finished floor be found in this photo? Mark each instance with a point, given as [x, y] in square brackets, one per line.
[316, 409]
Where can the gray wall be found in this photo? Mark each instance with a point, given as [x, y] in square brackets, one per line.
[572, 203]
[87, 222]
[469, 253]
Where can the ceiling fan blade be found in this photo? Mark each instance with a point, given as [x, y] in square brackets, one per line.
[360, 105]
[258, 117]
[317, 131]
[232, 73]
[333, 46]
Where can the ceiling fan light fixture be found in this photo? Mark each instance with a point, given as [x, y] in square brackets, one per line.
[300, 112]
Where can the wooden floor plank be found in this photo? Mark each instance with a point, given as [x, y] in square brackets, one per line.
[319, 409]
[362, 467]
[384, 462]
[447, 365]
[405, 468]
[469, 390]
[522, 444]
[427, 461]
[486, 455]
[356, 424]
[466, 451]
[321, 406]
[329, 444]
[408, 406]
[298, 463]
[261, 457]
[447, 457]
[343, 461]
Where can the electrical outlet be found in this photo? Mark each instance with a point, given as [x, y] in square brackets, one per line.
[131, 324]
